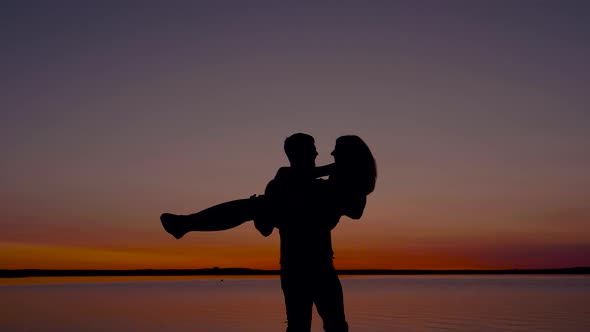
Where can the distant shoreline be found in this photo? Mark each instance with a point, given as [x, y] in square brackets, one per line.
[253, 272]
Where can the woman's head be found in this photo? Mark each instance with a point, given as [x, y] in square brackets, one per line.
[355, 163]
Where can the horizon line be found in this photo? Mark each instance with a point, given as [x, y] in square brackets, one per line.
[20, 273]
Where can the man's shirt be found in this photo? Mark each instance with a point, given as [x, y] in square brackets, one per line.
[303, 209]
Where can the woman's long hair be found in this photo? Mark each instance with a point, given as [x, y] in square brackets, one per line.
[355, 164]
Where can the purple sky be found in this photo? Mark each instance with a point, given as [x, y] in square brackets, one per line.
[477, 113]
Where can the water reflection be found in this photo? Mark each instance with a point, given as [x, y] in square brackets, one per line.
[399, 303]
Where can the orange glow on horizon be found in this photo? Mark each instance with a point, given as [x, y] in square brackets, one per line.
[28, 256]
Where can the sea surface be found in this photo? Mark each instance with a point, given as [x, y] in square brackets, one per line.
[373, 304]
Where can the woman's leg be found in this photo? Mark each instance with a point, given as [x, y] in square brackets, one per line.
[216, 218]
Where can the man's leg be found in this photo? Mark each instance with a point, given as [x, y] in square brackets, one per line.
[298, 302]
[329, 301]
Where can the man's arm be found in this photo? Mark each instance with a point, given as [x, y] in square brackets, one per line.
[355, 206]
[263, 221]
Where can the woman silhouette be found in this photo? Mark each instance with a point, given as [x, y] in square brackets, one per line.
[352, 177]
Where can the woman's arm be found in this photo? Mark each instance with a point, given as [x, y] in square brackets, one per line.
[325, 170]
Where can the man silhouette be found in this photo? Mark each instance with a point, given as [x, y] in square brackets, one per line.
[304, 217]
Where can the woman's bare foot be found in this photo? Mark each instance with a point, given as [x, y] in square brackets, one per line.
[173, 224]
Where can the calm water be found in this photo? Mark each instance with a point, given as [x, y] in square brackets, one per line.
[373, 304]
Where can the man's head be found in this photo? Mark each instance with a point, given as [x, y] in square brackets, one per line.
[301, 151]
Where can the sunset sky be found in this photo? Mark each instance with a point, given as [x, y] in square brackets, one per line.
[477, 112]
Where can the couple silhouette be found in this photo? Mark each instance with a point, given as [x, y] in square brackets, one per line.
[304, 208]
